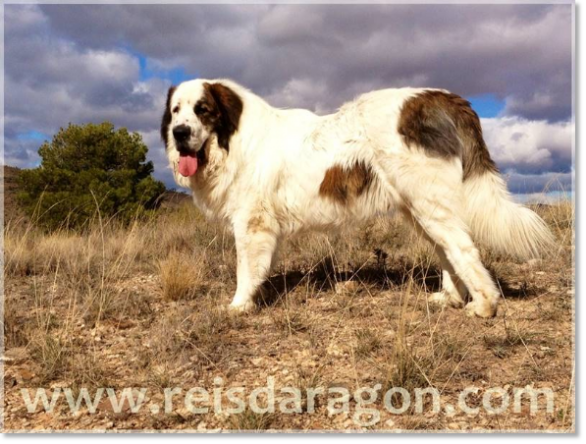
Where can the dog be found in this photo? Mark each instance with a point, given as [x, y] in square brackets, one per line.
[269, 173]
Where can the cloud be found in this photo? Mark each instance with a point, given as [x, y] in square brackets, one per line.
[537, 105]
[157, 155]
[21, 153]
[546, 183]
[529, 146]
[82, 63]
[518, 52]
[51, 82]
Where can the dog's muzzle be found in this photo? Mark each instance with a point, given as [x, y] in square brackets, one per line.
[182, 136]
[181, 133]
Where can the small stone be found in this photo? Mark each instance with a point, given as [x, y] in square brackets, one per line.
[26, 375]
[348, 423]
[9, 381]
[450, 410]
[346, 287]
[184, 413]
[105, 406]
[123, 324]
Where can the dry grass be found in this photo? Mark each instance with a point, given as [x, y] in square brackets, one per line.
[183, 276]
[251, 421]
[143, 306]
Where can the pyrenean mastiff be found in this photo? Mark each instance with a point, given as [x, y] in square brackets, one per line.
[270, 172]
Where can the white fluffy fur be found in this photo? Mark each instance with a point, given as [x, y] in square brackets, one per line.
[498, 222]
[267, 187]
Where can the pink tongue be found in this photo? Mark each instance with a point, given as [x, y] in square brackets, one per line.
[187, 165]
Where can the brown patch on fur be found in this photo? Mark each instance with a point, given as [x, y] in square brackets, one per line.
[256, 224]
[206, 108]
[342, 184]
[445, 125]
[167, 116]
[261, 220]
[220, 109]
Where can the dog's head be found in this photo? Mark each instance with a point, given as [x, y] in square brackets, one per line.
[195, 112]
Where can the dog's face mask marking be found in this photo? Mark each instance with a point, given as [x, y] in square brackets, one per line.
[195, 112]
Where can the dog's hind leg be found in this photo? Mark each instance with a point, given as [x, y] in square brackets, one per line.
[431, 195]
[453, 292]
[449, 233]
[255, 247]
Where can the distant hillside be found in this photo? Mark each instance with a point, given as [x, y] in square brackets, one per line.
[12, 211]
[10, 176]
[175, 199]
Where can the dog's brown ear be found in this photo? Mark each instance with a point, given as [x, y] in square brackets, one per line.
[230, 106]
[166, 121]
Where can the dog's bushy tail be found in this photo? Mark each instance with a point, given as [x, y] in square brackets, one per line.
[501, 224]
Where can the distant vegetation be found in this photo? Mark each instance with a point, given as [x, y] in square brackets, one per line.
[86, 168]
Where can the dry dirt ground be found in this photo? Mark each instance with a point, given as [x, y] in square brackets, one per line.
[143, 307]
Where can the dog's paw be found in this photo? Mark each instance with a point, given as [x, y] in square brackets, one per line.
[482, 310]
[444, 299]
[241, 307]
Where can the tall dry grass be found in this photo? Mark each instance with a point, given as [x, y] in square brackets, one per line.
[92, 274]
[96, 275]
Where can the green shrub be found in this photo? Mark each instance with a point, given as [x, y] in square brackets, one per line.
[86, 167]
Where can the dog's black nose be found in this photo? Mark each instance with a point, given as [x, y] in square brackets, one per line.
[181, 133]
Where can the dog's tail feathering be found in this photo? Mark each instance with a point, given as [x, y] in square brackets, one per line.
[499, 223]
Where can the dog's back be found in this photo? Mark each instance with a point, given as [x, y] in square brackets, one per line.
[418, 151]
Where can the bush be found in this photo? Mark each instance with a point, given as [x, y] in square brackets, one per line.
[86, 167]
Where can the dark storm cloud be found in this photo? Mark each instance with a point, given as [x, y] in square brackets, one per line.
[21, 152]
[539, 183]
[78, 63]
[519, 52]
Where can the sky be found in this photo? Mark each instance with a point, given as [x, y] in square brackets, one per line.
[89, 63]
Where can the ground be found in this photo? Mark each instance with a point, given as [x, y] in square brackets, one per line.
[144, 307]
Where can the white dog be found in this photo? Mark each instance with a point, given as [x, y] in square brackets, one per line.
[271, 172]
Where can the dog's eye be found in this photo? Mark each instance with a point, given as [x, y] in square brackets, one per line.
[176, 110]
[200, 110]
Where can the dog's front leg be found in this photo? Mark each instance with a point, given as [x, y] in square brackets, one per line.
[255, 247]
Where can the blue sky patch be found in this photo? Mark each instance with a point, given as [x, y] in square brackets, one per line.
[174, 75]
[33, 135]
[487, 105]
